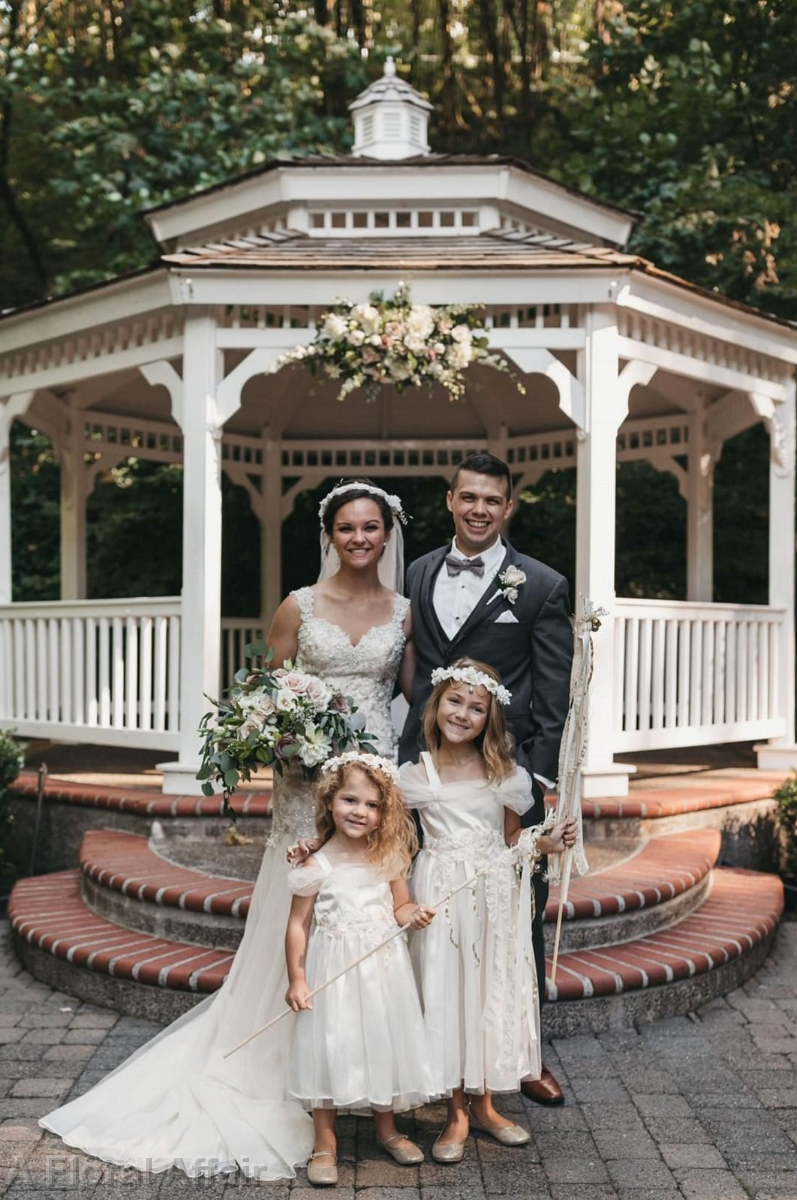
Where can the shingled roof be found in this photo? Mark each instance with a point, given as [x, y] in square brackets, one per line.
[505, 250]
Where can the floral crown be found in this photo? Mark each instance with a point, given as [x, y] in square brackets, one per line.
[473, 678]
[374, 761]
[393, 502]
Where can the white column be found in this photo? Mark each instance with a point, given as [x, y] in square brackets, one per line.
[700, 511]
[781, 753]
[200, 633]
[5, 511]
[73, 509]
[596, 457]
[271, 531]
[10, 407]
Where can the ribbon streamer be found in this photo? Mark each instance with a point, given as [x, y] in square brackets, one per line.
[575, 738]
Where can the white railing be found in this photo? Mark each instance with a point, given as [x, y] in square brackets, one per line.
[689, 674]
[236, 633]
[101, 671]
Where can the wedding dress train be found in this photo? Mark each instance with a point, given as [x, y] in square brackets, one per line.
[177, 1102]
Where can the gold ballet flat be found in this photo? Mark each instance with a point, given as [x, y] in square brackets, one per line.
[447, 1152]
[507, 1135]
[322, 1175]
[405, 1156]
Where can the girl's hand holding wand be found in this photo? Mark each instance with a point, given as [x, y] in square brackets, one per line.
[297, 996]
[561, 837]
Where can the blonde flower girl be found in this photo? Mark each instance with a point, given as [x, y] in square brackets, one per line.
[475, 964]
[360, 1043]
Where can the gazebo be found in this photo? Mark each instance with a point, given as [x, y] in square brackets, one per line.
[174, 363]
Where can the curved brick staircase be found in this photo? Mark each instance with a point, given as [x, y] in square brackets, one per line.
[657, 929]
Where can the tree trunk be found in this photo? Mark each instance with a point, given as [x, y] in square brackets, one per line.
[489, 22]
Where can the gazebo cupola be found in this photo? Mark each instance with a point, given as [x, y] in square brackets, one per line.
[391, 119]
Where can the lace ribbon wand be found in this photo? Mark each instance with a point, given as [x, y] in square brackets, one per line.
[402, 929]
[571, 756]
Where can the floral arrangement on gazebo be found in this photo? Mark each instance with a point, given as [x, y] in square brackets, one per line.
[399, 343]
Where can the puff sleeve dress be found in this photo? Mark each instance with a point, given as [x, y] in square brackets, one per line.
[363, 1043]
[475, 962]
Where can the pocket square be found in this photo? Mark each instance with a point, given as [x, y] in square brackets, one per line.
[506, 618]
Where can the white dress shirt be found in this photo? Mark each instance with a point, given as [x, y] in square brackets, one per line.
[456, 596]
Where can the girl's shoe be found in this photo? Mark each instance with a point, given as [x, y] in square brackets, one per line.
[405, 1156]
[507, 1135]
[322, 1174]
[447, 1152]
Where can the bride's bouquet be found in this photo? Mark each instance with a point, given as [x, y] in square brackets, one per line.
[275, 717]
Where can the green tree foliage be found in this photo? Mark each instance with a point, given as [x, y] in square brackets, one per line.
[683, 112]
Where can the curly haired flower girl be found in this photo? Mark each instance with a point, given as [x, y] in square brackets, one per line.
[360, 1043]
[476, 964]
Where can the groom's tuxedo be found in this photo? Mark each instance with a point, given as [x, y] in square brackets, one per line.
[532, 654]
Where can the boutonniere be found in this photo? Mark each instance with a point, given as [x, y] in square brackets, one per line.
[510, 582]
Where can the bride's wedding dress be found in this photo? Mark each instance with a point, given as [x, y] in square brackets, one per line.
[177, 1101]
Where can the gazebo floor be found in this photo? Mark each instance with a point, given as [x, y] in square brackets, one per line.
[148, 921]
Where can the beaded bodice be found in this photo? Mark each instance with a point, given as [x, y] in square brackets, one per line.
[366, 672]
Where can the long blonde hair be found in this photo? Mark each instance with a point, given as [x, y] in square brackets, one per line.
[394, 842]
[494, 743]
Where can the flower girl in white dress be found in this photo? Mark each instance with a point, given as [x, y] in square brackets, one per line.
[360, 1043]
[476, 963]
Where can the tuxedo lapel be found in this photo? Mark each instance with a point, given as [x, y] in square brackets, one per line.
[436, 630]
[484, 605]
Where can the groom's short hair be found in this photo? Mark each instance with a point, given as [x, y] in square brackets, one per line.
[484, 463]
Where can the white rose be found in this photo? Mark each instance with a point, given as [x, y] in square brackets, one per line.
[462, 333]
[459, 355]
[513, 577]
[296, 682]
[368, 317]
[415, 344]
[286, 702]
[399, 371]
[356, 337]
[334, 326]
[375, 339]
[319, 694]
[420, 321]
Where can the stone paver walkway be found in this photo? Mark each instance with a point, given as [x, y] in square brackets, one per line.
[702, 1107]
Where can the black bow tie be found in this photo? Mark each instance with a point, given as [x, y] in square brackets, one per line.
[455, 566]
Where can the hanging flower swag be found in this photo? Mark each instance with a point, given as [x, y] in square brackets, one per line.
[398, 343]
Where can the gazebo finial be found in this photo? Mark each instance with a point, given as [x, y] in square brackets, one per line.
[391, 118]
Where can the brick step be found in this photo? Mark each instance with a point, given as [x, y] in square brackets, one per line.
[125, 880]
[142, 801]
[714, 799]
[62, 942]
[673, 971]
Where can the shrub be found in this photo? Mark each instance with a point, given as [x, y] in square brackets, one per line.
[786, 798]
[11, 760]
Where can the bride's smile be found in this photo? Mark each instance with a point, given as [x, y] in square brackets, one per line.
[358, 533]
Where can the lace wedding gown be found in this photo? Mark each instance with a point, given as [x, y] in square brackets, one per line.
[177, 1102]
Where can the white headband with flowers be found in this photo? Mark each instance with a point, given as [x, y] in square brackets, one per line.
[374, 761]
[474, 679]
[393, 502]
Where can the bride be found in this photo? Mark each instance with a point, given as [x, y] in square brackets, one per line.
[177, 1102]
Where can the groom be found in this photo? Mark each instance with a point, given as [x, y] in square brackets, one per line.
[461, 608]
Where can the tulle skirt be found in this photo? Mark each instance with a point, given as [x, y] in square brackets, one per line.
[363, 1044]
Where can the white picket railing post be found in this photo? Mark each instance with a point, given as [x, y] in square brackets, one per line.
[708, 678]
[91, 670]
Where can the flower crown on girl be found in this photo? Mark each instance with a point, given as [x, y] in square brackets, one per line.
[474, 679]
[393, 502]
[374, 761]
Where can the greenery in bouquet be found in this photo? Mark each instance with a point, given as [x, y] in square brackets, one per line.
[277, 717]
[398, 343]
